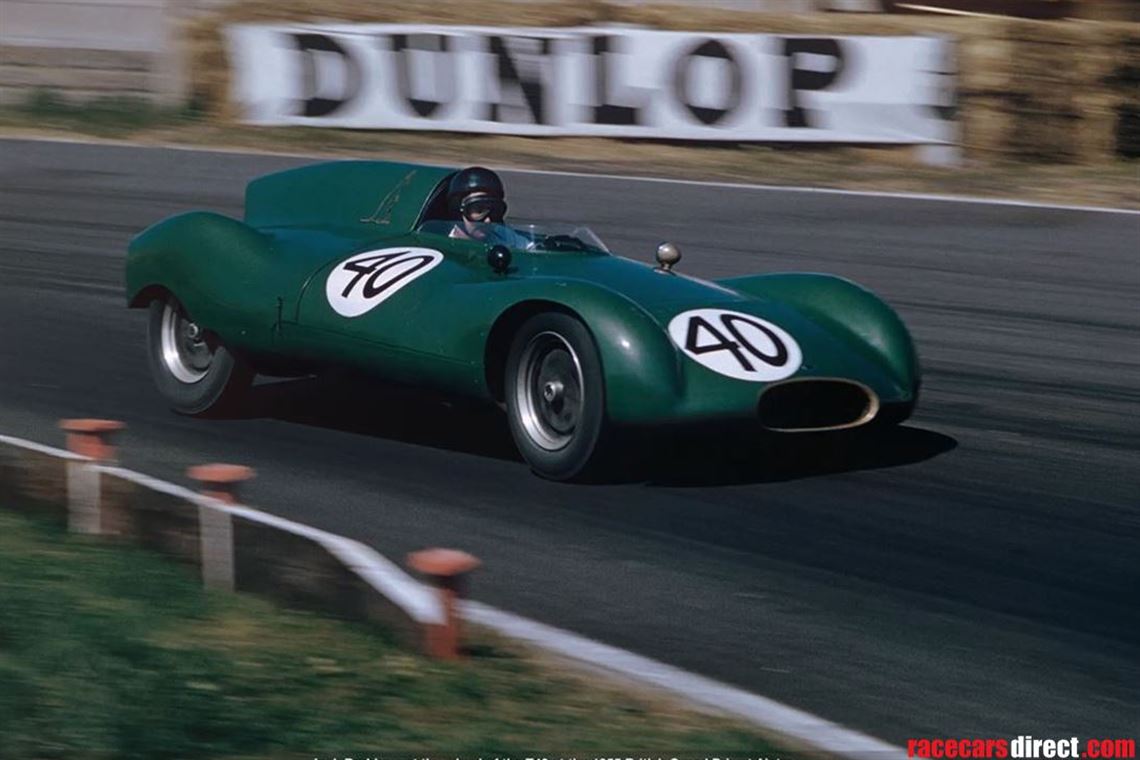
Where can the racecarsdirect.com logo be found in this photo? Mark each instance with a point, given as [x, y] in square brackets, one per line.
[1021, 747]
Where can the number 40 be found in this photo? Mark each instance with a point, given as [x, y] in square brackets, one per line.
[734, 342]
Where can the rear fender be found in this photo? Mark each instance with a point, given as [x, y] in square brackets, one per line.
[221, 270]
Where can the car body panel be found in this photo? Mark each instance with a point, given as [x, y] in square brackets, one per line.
[266, 287]
[384, 197]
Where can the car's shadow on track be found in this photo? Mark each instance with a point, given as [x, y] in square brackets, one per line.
[690, 458]
[398, 413]
[713, 458]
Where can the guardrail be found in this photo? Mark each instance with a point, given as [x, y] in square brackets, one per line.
[234, 547]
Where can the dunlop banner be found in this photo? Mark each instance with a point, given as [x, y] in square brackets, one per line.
[597, 81]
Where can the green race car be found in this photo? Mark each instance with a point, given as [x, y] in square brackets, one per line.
[365, 264]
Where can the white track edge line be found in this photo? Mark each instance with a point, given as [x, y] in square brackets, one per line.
[801, 726]
[780, 718]
[41, 448]
[929, 197]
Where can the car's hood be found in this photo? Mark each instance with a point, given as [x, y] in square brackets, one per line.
[672, 298]
[664, 295]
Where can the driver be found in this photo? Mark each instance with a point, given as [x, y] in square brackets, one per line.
[475, 195]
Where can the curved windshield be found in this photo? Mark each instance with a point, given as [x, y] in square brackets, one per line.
[553, 238]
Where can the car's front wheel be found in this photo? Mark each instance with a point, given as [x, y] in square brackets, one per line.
[555, 396]
[194, 372]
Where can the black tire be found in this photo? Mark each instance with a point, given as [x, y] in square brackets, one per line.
[556, 405]
[197, 376]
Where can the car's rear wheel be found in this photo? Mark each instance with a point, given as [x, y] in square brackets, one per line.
[555, 396]
[195, 373]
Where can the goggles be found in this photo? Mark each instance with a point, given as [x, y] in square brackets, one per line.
[483, 208]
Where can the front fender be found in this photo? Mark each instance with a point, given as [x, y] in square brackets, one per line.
[845, 308]
[644, 382]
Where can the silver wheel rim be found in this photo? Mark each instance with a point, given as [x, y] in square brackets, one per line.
[185, 352]
[548, 391]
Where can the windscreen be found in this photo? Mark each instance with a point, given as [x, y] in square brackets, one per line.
[548, 238]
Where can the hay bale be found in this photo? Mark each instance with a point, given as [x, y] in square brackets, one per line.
[1096, 132]
[1043, 88]
[985, 127]
[1123, 82]
[984, 64]
[1094, 101]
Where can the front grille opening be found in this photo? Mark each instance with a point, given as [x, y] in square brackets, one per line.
[816, 405]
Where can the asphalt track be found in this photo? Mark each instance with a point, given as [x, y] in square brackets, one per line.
[975, 574]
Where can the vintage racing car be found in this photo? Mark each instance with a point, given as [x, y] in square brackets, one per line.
[356, 263]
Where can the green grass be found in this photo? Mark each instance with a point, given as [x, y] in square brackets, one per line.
[113, 652]
[110, 116]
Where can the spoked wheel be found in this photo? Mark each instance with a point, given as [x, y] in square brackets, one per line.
[555, 395]
[192, 369]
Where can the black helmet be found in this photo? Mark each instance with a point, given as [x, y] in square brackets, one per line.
[475, 179]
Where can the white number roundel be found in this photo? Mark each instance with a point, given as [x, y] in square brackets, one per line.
[737, 345]
[363, 281]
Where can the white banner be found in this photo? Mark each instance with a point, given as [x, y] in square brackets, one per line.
[596, 81]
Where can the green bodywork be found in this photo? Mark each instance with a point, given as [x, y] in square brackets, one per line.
[259, 284]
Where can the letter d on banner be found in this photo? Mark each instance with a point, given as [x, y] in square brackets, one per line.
[331, 76]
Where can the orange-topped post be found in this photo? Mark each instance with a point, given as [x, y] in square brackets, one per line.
[221, 481]
[91, 438]
[448, 570]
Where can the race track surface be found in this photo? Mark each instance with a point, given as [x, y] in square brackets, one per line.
[977, 574]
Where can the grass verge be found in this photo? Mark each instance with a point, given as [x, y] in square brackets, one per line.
[111, 116]
[113, 652]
